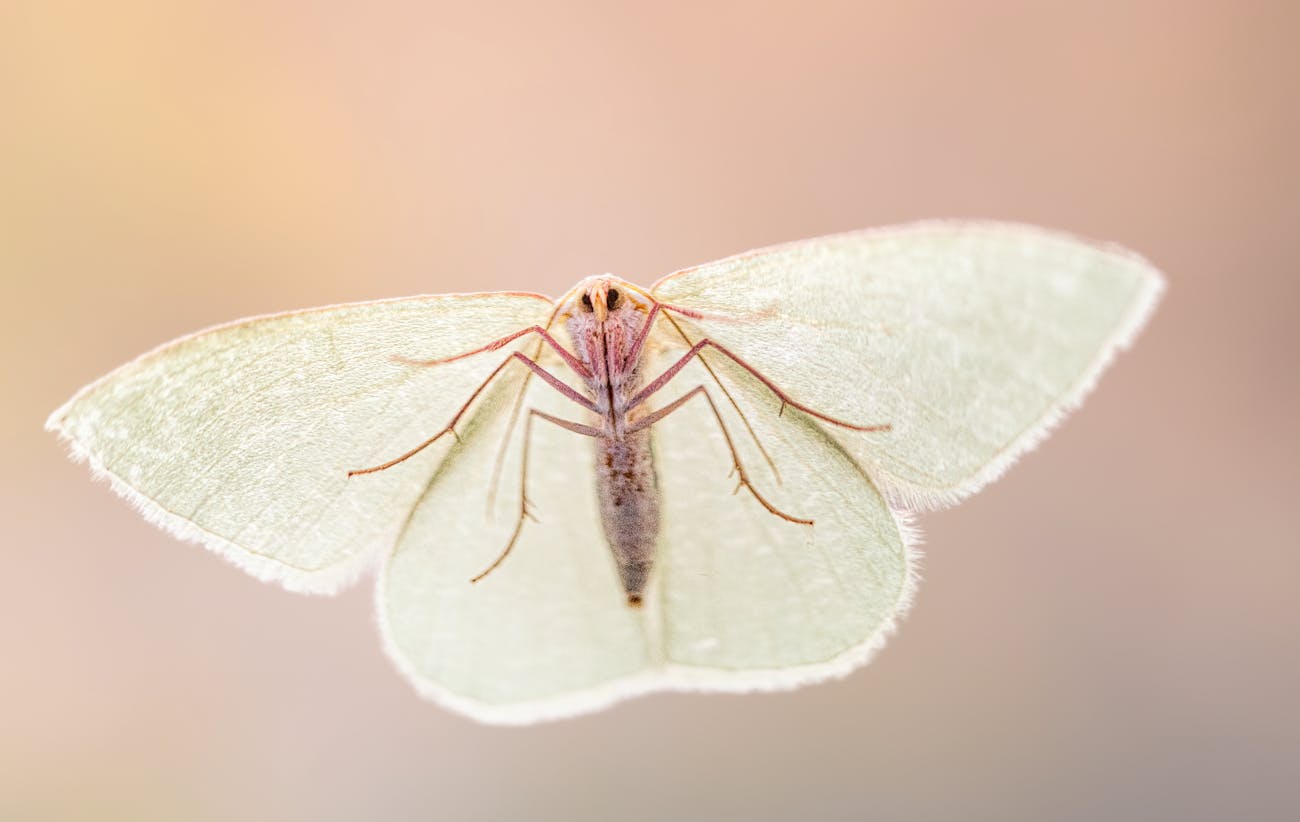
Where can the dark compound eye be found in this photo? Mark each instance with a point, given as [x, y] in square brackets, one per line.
[586, 302]
[611, 299]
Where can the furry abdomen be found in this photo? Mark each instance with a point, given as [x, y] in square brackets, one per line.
[629, 507]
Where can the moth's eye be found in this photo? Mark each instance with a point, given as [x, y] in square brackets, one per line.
[611, 298]
[586, 302]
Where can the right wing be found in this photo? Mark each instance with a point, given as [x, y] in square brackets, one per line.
[241, 437]
[970, 339]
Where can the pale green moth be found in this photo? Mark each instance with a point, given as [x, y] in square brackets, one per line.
[752, 536]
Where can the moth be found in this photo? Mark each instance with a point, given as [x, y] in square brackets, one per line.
[701, 485]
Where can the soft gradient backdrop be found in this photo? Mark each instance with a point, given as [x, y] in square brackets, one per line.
[1109, 632]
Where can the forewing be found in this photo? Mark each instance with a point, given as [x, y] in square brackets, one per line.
[241, 437]
[969, 339]
[749, 600]
[548, 632]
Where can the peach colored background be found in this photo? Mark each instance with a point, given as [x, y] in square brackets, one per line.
[1110, 632]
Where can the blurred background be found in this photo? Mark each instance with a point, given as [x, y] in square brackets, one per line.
[1109, 632]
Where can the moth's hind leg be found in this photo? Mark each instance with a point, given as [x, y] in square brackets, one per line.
[737, 465]
[524, 513]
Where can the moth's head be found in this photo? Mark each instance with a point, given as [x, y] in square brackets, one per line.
[602, 298]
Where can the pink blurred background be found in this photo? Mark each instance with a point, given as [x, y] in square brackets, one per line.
[1109, 632]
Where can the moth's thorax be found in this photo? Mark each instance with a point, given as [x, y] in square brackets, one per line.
[605, 317]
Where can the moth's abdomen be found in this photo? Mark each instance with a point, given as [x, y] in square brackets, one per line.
[629, 507]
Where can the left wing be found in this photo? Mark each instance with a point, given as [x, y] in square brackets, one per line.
[241, 437]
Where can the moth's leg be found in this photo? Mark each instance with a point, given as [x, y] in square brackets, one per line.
[533, 413]
[785, 399]
[572, 361]
[559, 385]
[552, 380]
[634, 353]
[771, 464]
[738, 466]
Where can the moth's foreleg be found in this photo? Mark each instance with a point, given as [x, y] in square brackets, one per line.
[450, 427]
[634, 353]
[572, 361]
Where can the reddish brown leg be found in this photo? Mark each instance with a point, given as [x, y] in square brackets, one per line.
[577, 428]
[450, 427]
[727, 393]
[552, 380]
[572, 361]
[785, 399]
[556, 383]
[738, 466]
[635, 353]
